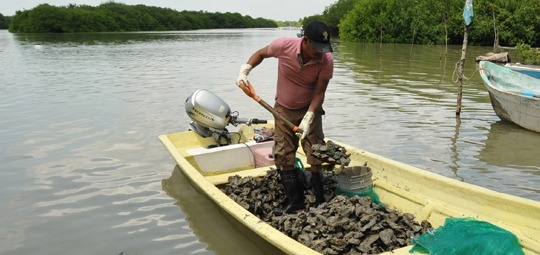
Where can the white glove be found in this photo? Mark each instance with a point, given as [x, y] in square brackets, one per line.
[242, 76]
[305, 125]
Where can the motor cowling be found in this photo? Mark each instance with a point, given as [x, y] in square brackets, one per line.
[208, 110]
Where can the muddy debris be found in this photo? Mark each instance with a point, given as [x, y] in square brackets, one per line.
[342, 225]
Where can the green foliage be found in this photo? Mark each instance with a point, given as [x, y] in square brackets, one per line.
[4, 22]
[289, 23]
[384, 21]
[118, 17]
[434, 22]
[528, 55]
[306, 20]
[400, 21]
[332, 14]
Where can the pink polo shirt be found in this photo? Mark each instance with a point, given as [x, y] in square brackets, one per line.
[296, 82]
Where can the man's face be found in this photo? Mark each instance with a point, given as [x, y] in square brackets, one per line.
[310, 49]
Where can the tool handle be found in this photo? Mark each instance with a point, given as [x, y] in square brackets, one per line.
[250, 91]
[289, 124]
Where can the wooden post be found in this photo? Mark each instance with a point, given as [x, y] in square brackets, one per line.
[461, 63]
[496, 42]
[467, 17]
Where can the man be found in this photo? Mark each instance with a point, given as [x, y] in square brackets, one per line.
[305, 66]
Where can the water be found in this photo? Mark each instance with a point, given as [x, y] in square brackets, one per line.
[83, 170]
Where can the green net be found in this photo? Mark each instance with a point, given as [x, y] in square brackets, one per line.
[467, 236]
[364, 193]
[298, 164]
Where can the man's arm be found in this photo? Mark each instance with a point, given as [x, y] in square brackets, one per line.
[258, 57]
[318, 97]
[252, 62]
[314, 106]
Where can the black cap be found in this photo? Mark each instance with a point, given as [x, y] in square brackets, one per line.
[319, 34]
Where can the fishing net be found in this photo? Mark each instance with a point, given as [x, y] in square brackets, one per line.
[467, 236]
[356, 181]
[363, 193]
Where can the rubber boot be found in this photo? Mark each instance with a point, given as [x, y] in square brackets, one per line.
[318, 188]
[293, 191]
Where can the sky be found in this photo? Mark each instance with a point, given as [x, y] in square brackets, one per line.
[279, 10]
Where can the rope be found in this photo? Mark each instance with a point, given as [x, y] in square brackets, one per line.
[454, 73]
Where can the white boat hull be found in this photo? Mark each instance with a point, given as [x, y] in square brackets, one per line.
[514, 96]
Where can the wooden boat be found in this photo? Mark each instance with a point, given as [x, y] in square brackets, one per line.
[514, 96]
[531, 70]
[426, 195]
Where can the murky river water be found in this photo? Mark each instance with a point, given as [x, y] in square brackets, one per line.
[83, 172]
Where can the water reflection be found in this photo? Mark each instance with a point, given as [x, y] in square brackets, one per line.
[94, 38]
[455, 166]
[425, 70]
[508, 145]
[212, 225]
[77, 39]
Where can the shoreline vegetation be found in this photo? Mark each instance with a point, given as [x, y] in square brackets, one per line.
[118, 17]
[497, 23]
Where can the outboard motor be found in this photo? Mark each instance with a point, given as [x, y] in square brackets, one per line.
[210, 115]
[208, 112]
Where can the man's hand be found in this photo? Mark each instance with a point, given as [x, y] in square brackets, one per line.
[305, 125]
[242, 76]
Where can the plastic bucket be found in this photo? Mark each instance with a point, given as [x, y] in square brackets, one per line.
[355, 179]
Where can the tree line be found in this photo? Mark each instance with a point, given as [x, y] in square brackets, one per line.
[118, 17]
[4, 22]
[511, 22]
[505, 22]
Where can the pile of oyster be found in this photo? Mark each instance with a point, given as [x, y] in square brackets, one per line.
[331, 153]
[342, 225]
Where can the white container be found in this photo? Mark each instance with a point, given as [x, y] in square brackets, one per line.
[359, 181]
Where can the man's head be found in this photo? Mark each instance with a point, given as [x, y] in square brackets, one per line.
[319, 35]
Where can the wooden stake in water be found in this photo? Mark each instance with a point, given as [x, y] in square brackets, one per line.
[460, 71]
[467, 17]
